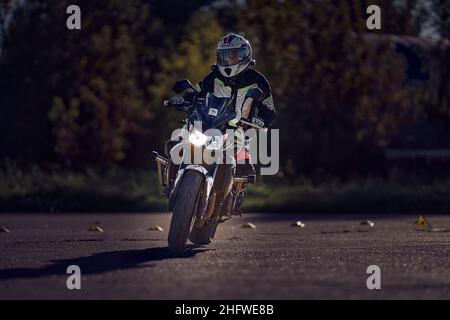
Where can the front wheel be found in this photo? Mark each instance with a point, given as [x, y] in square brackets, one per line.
[183, 210]
[203, 234]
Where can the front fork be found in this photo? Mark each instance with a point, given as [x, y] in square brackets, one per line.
[209, 208]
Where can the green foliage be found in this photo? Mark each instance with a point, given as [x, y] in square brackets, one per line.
[94, 120]
[338, 84]
[108, 106]
[93, 98]
[113, 190]
[77, 97]
[191, 59]
[369, 196]
[119, 190]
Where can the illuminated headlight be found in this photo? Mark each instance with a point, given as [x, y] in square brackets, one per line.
[215, 143]
[197, 138]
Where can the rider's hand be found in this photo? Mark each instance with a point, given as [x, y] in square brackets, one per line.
[258, 121]
[189, 95]
[177, 100]
[181, 103]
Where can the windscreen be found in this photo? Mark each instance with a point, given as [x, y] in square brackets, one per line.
[215, 112]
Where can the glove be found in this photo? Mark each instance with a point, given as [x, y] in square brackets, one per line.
[189, 95]
[258, 121]
[177, 100]
[181, 104]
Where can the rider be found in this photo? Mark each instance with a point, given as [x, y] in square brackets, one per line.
[233, 75]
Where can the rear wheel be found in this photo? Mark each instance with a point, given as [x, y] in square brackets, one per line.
[183, 211]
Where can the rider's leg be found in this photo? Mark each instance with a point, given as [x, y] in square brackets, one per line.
[245, 169]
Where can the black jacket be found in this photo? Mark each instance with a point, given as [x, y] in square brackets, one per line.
[239, 85]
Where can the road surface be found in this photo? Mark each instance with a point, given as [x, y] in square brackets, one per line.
[327, 259]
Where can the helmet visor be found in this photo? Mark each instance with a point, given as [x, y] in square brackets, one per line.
[231, 57]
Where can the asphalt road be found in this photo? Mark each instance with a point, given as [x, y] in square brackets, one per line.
[327, 259]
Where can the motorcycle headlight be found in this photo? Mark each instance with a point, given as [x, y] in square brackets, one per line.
[215, 143]
[197, 138]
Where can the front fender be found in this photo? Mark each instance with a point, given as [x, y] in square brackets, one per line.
[207, 185]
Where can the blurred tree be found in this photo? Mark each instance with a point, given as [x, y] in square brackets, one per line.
[93, 97]
[6, 10]
[81, 97]
[192, 59]
[435, 18]
[75, 94]
[397, 16]
[106, 106]
[336, 91]
[27, 82]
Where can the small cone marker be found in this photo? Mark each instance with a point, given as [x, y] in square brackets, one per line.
[156, 228]
[298, 224]
[249, 226]
[4, 230]
[423, 223]
[95, 228]
[368, 223]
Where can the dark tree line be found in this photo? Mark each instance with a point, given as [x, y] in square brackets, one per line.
[92, 98]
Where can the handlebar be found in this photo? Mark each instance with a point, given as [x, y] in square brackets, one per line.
[250, 124]
[186, 107]
[168, 103]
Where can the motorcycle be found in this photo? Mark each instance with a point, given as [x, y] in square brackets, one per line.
[203, 194]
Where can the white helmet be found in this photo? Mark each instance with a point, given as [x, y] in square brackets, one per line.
[234, 55]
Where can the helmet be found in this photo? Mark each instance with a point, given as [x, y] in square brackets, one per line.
[234, 55]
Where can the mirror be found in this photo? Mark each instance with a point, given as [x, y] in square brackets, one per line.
[182, 85]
